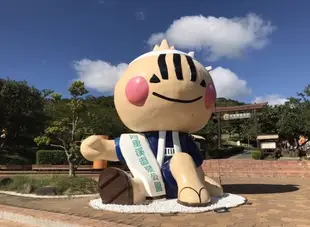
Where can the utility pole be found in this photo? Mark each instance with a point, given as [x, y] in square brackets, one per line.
[219, 135]
[256, 126]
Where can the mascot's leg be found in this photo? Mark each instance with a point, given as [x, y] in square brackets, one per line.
[191, 187]
[214, 188]
[118, 187]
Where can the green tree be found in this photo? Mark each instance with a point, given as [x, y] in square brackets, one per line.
[67, 131]
[22, 111]
[209, 132]
[102, 117]
[230, 127]
[248, 130]
[305, 103]
[228, 102]
[295, 117]
[268, 119]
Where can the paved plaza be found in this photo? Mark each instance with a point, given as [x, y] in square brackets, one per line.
[5, 223]
[272, 202]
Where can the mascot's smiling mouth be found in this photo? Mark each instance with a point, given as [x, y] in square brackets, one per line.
[176, 100]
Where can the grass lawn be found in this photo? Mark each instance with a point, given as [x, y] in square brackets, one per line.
[65, 185]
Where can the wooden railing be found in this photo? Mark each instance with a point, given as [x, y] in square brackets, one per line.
[214, 167]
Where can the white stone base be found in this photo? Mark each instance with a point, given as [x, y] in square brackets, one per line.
[170, 206]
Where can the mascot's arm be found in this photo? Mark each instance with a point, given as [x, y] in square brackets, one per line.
[96, 147]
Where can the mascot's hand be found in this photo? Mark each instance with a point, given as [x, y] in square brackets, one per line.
[97, 147]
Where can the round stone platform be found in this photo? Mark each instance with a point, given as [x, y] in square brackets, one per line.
[171, 206]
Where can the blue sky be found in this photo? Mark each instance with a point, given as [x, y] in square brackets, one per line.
[44, 41]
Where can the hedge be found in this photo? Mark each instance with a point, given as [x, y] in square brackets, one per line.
[257, 154]
[54, 157]
[223, 152]
[17, 155]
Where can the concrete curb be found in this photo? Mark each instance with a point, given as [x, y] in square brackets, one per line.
[48, 196]
[38, 218]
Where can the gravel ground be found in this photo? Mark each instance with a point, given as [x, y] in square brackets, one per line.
[171, 206]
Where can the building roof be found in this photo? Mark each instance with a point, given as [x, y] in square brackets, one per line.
[266, 137]
[226, 109]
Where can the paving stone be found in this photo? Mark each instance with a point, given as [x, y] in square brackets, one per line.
[278, 205]
[5, 223]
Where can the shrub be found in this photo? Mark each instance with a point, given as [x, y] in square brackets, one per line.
[18, 181]
[64, 184]
[75, 185]
[223, 152]
[256, 154]
[276, 154]
[236, 150]
[54, 157]
[16, 155]
[212, 153]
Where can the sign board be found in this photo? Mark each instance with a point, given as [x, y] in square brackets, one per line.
[227, 117]
[268, 145]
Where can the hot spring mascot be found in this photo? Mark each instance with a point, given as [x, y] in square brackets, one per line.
[163, 96]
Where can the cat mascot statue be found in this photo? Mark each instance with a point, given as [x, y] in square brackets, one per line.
[163, 96]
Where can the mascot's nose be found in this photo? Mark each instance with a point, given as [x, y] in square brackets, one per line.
[137, 90]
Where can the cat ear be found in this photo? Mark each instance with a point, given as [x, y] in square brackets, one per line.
[209, 68]
[155, 47]
[192, 53]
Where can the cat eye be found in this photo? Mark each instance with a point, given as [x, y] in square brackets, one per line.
[203, 83]
[154, 79]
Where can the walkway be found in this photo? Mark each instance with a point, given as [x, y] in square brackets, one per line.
[274, 202]
[5, 223]
[246, 154]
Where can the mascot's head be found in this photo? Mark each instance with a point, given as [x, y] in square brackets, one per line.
[165, 89]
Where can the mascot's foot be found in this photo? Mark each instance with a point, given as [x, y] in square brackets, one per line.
[214, 188]
[115, 187]
[190, 197]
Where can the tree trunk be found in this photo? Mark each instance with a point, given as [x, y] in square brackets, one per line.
[71, 169]
[248, 141]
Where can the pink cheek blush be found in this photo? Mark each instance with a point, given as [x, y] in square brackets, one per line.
[137, 90]
[210, 96]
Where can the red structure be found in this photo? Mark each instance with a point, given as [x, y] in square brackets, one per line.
[219, 111]
[249, 107]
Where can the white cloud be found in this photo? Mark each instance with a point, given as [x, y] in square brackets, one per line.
[99, 75]
[228, 84]
[102, 76]
[272, 100]
[220, 37]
